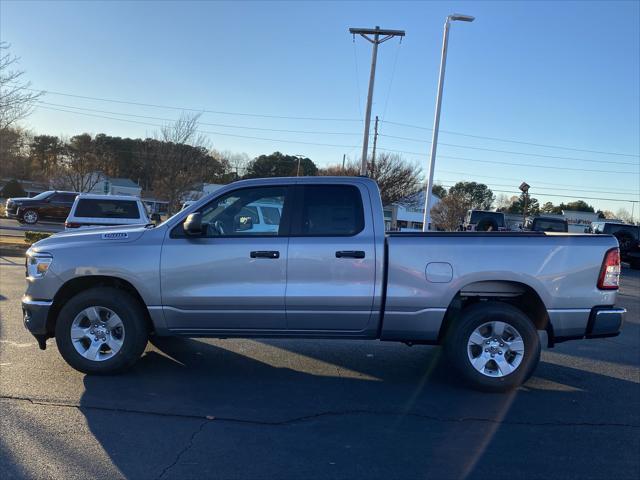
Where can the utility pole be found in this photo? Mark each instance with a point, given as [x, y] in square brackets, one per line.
[376, 40]
[375, 143]
[344, 157]
[436, 122]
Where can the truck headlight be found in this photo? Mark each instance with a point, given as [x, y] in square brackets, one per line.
[38, 264]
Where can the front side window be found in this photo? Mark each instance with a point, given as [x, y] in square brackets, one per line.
[237, 213]
[94, 208]
[330, 210]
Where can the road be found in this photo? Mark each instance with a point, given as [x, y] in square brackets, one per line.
[11, 227]
[194, 409]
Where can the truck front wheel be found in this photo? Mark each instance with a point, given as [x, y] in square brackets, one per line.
[101, 331]
[494, 346]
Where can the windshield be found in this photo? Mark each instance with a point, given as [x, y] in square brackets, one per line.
[43, 195]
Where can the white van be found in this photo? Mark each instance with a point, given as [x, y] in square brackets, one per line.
[91, 210]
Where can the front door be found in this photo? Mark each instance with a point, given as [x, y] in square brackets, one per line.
[332, 266]
[233, 276]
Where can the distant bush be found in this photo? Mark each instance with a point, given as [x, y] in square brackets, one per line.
[12, 189]
[33, 237]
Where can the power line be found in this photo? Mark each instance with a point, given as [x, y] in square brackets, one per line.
[202, 110]
[554, 188]
[562, 196]
[164, 119]
[337, 145]
[594, 189]
[509, 151]
[202, 131]
[291, 131]
[516, 141]
[102, 99]
[509, 163]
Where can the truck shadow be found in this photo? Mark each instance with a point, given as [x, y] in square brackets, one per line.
[394, 407]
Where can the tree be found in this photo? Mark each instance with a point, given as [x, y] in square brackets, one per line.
[503, 202]
[14, 160]
[439, 190]
[280, 165]
[624, 215]
[533, 206]
[449, 213]
[16, 98]
[397, 179]
[45, 152]
[548, 207]
[181, 159]
[78, 169]
[13, 189]
[578, 205]
[477, 196]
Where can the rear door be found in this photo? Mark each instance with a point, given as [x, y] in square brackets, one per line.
[331, 267]
[60, 205]
[233, 276]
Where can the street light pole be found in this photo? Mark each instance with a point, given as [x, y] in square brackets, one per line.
[436, 122]
[376, 40]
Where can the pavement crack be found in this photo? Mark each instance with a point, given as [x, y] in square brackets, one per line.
[176, 460]
[314, 416]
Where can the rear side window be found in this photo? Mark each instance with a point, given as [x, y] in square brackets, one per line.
[330, 210]
[549, 226]
[94, 208]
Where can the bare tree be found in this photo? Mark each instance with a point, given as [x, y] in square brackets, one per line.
[182, 159]
[78, 168]
[16, 98]
[449, 213]
[396, 178]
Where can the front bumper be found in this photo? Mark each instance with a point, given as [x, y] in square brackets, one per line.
[35, 314]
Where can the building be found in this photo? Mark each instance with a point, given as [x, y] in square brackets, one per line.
[116, 186]
[407, 215]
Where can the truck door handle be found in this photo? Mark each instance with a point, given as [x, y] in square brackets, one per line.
[349, 254]
[265, 254]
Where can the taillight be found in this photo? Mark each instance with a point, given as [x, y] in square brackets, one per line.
[609, 278]
[71, 225]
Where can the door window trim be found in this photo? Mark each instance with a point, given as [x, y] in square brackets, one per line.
[285, 219]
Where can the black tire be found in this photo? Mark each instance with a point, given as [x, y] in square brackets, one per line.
[133, 319]
[30, 216]
[472, 317]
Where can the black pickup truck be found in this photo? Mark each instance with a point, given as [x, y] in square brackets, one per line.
[628, 237]
[52, 205]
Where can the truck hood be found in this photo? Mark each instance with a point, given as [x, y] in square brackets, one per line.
[18, 199]
[98, 236]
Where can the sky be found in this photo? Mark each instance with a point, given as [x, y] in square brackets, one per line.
[542, 92]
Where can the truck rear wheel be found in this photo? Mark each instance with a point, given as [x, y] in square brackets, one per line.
[494, 346]
[101, 331]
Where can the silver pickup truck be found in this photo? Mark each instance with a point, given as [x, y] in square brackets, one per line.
[315, 262]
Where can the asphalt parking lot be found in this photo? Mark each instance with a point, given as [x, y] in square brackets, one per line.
[314, 409]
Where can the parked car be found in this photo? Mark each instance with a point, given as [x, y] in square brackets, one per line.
[91, 210]
[328, 271]
[51, 205]
[549, 224]
[628, 237]
[484, 221]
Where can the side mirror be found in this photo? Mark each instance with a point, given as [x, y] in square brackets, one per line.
[242, 223]
[193, 224]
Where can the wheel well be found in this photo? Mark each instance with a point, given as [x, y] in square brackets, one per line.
[80, 284]
[517, 294]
